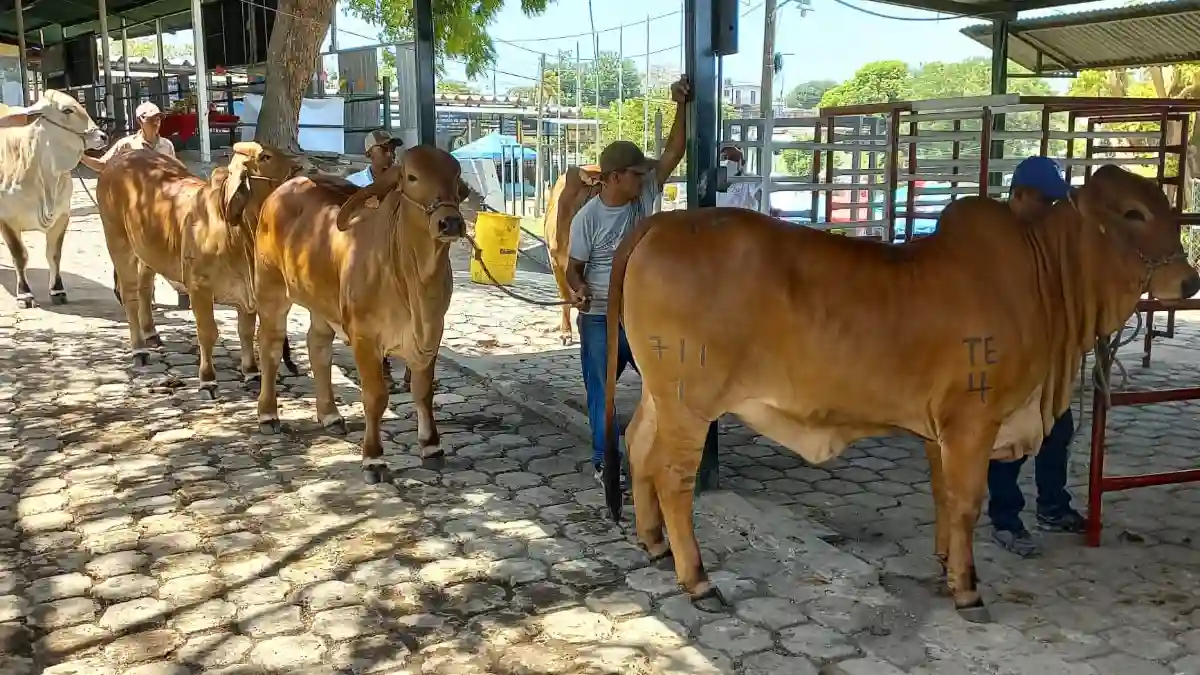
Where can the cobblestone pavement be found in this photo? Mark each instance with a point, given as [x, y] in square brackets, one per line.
[146, 530]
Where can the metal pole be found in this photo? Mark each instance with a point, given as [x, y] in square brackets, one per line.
[162, 54]
[333, 31]
[596, 72]
[22, 60]
[702, 156]
[646, 93]
[621, 82]
[767, 95]
[537, 142]
[999, 87]
[578, 100]
[201, 83]
[426, 74]
[128, 88]
[104, 58]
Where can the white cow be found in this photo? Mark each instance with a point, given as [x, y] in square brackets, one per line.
[39, 146]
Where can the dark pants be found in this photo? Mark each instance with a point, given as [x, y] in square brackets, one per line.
[593, 354]
[1005, 500]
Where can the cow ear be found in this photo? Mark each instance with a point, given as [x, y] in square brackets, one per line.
[1095, 207]
[379, 189]
[588, 175]
[235, 190]
[18, 117]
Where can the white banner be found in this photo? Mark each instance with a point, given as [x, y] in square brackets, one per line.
[312, 111]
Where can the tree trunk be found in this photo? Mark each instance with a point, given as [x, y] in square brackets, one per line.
[300, 27]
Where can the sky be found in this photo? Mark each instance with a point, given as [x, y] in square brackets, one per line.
[831, 42]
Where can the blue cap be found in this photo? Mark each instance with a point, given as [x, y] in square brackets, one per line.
[1041, 174]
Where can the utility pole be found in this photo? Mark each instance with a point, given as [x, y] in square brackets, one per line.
[621, 83]
[767, 95]
[646, 92]
[541, 84]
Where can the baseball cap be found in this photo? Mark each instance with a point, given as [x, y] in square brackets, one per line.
[622, 155]
[147, 110]
[1041, 174]
[379, 137]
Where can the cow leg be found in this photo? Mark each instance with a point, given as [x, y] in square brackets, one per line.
[564, 291]
[146, 306]
[674, 456]
[272, 325]
[287, 357]
[206, 335]
[369, 362]
[387, 375]
[647, 513]
[251, 378]
[429, 443]
[126, 270]
[54, 244]
[320, 359]
[965, 455]
[20, 261]
[937, 482]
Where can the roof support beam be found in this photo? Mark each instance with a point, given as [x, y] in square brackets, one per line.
[426, 86]
[201, 83]
[102, 6]
[22, 60]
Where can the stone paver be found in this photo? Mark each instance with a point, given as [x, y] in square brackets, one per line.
[148, 530]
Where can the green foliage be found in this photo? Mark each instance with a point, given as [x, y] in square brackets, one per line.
[808, 94]
[454, 87]
[460, 26]
[613, 77]
[876, 82]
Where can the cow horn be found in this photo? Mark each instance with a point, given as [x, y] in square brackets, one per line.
[379, 189]
[235, 189]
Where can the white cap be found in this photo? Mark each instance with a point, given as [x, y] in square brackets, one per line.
[379, 137]
[145, 110]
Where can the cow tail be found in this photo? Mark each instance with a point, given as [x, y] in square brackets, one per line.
[612, 453]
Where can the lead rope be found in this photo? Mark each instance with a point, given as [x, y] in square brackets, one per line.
[478, 256]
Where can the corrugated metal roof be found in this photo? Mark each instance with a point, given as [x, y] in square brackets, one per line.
[1138, 35]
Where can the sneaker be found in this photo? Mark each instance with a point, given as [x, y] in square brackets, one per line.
[1069, 521]
[1019, 542]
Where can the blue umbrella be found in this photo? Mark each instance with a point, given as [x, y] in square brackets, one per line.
[494, 146]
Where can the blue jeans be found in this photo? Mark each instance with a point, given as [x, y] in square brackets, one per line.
[593, 354]
[1005, 500]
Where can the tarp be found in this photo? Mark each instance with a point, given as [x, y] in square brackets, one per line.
[494, 146]
[329, 111]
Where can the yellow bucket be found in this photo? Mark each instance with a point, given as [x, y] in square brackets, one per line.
[498, 236]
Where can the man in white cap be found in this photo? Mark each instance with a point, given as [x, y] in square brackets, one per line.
[149, 119]
[380, 148]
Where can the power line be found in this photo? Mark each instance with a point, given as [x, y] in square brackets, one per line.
[588, 33]
[868, 12]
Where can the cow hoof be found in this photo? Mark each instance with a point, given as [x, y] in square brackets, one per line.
[25, 301]
[141, 358]
[154, 342]
[374, 472]
[976, 614]
[566, 340]
[59, 298]
[269, 426]
[335, 424]
[667, 554]
[431, 451]
[210, 389]
[710, 600]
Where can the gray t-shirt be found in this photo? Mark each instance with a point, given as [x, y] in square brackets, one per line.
[598, 229]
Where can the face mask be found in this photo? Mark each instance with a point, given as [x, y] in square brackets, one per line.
[732, 167]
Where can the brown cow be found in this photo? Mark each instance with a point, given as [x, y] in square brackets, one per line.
[160, 218]
[968, 338]
[571, 191]
[381, 277]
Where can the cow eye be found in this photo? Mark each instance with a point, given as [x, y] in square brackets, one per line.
[1134, 214]
[412, 178]
[68, 111]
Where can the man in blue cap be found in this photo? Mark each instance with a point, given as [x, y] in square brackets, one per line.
[1036, 184]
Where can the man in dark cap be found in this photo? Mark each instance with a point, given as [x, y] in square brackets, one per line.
[630, 187]
[1036, 184]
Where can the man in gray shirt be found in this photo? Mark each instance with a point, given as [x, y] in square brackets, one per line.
[631, 185]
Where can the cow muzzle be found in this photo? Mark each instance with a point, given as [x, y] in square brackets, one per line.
[1190, 286]
[95, 139]
[451, 227]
